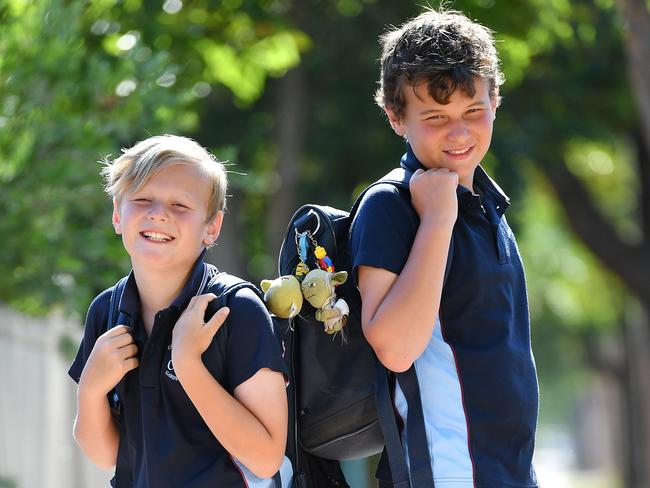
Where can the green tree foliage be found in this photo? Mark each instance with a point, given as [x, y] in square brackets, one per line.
[78, 80]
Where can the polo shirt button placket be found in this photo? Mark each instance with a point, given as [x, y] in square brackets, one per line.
[149, 366]
[495, 223]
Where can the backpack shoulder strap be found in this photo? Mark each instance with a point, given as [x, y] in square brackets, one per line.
[114, 306]
[223, 285]
[122, 477]
[398, 177]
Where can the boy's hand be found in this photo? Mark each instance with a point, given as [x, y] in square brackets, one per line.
[191, 337]
[433, 194]
[113, 355]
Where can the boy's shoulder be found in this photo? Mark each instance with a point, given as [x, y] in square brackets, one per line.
[227, 286]
[98, 313]
[241, 296]
[98, 309]
[385, 200]
[383, 190]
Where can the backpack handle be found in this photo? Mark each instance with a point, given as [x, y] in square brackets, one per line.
[306, 223]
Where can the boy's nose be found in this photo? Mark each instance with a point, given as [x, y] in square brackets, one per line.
[157, 212]
[458, 132]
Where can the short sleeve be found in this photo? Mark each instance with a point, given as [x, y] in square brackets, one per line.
[383, 230]
[252, 344]
[96, 320]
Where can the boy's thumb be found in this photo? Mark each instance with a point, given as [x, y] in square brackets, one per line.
[218, 319]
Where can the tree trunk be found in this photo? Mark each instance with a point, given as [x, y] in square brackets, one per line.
[289, 123]
[636, 414]
[637, 43]
[226, 253]
[631, 262]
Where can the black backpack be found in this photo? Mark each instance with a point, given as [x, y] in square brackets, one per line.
[341, 393]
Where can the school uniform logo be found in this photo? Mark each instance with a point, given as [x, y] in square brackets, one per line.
[170, 368]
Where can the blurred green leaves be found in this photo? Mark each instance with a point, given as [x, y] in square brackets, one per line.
[563, 277]
[610, 171]
[244, 72]
[78, 80]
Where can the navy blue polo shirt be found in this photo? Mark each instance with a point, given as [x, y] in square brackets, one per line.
[169, 444]
[477, 374]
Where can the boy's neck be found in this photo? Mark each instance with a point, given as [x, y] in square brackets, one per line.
[468, 182]
[157, 291]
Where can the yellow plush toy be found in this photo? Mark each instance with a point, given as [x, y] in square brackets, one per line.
[283, 296]
[318, 290]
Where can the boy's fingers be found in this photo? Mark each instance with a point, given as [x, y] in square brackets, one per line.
[130, 363]
[129, 351]
[218, 319]
[200, 302]
[118, 330]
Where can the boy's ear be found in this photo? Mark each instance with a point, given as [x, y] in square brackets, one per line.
[213, 229]
[116, 217]
[395, 122]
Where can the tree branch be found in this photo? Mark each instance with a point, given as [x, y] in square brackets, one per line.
[637, 40]
[630, 262]
[643, 159]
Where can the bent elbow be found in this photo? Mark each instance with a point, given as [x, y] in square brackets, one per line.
[397, 363]
[104, 465]
[265, 466]
[389, 356]
[267, 470]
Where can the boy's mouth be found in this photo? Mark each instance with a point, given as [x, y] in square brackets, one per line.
[156, 236]
[459, 152]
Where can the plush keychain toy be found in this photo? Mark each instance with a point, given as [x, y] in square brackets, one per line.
[283, 296]
[318, 289]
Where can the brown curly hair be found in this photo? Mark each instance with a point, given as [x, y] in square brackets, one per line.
[444, 49]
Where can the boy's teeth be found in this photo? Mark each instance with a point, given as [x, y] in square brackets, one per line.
[155, 236]
[460, 151]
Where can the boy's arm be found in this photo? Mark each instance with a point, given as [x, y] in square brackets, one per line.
[112, 356]
[399, 311]
[252, 425]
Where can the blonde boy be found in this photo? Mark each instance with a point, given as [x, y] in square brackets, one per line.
[201, 404]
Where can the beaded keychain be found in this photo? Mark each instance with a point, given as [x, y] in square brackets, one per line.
[322, 259]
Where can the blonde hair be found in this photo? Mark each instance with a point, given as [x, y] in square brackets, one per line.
[138, 164]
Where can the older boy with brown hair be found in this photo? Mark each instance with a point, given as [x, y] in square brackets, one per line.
[439, 272]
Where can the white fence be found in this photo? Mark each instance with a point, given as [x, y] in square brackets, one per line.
[37, 407]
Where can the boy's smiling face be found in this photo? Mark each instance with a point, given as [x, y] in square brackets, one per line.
[455, 136]
[164, 223]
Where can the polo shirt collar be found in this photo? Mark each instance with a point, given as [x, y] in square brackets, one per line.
[482, 182]
[195, 282]
[410, 162]
[489, 189]
[130, 301]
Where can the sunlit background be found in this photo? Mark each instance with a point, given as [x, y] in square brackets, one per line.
[282, 90]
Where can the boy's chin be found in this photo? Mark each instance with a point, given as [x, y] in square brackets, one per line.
[159, 260]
